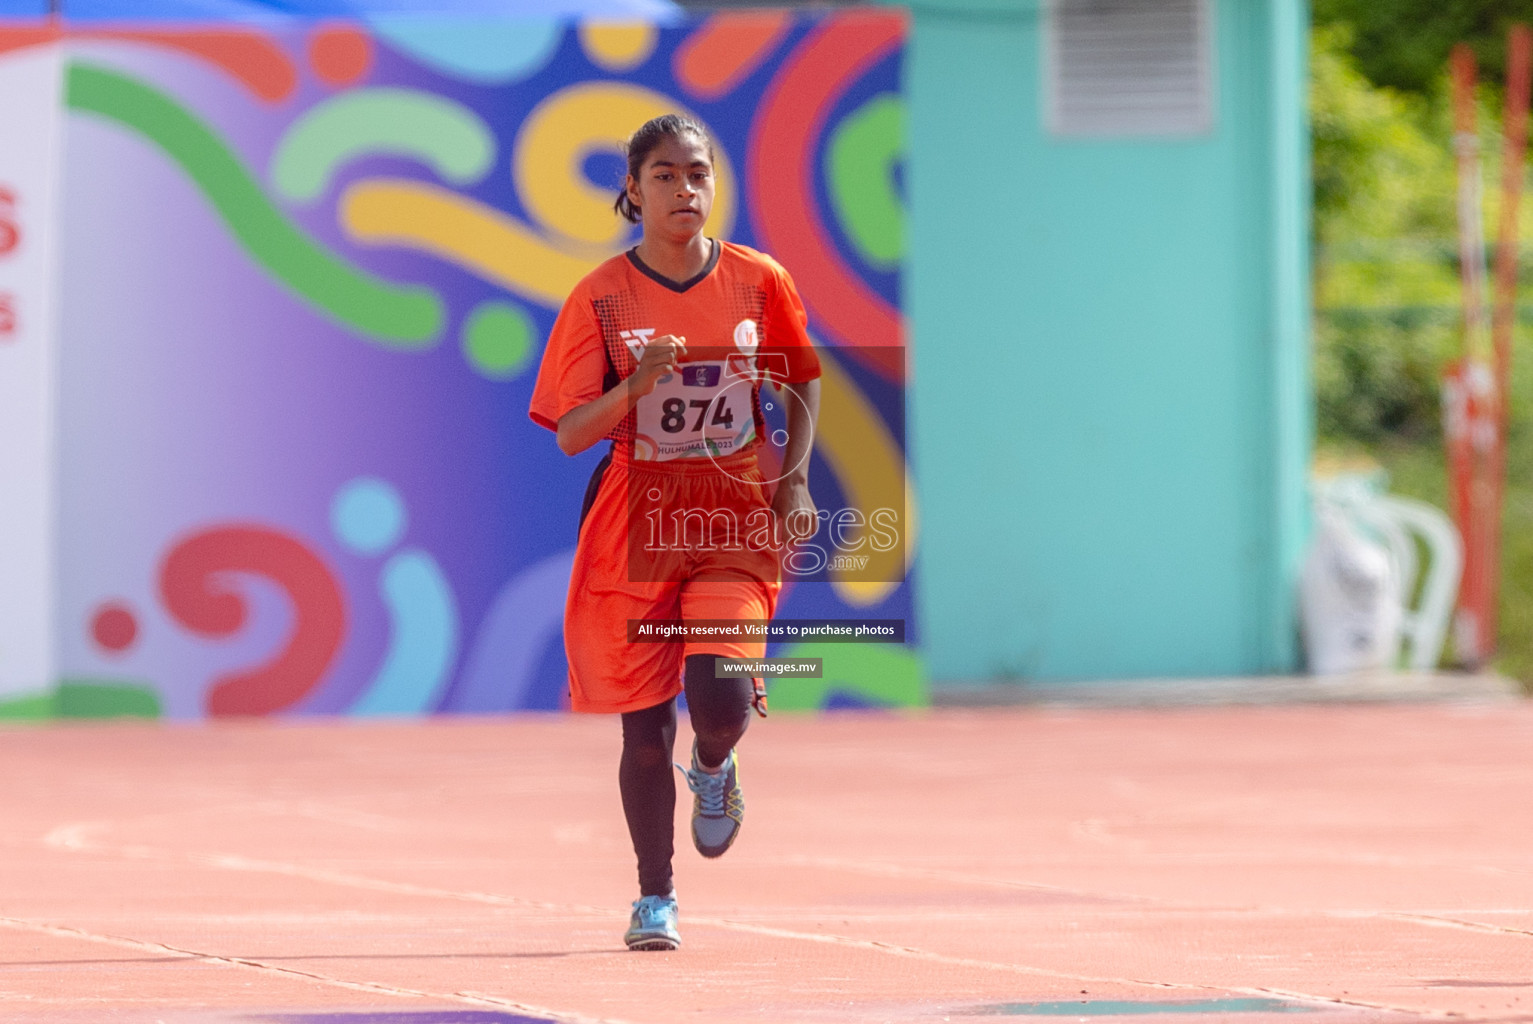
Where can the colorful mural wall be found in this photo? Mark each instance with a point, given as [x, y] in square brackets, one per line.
[306, 274]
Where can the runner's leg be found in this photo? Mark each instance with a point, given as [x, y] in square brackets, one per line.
[720, 709]
[649, 792]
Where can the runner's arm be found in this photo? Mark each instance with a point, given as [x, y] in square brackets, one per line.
[587, 424]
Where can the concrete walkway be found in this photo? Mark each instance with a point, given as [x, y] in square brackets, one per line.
[1362, 687]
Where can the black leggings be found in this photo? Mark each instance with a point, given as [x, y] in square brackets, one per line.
[720, 710]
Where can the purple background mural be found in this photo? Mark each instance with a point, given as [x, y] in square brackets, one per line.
[306, 279]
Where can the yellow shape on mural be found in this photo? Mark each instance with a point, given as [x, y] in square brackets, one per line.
[592, 117]
[852, 437]
[618, 46]
[475, 236]
[870, 468]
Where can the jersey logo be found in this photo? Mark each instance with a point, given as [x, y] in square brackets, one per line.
[636, 340]
[700, 375]
[745, 336]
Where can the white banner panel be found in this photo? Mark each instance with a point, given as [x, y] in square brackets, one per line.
[30, 121]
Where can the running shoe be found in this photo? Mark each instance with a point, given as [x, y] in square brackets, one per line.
[653, 925]
[718, 806]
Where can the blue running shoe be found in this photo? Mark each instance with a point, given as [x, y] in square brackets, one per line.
[718, 806]
[653, 925]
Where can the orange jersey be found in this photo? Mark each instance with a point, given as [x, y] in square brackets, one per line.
[608, 672]
[742, 320]
[690, 444]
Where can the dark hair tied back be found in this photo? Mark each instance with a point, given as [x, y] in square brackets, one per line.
[650, 134]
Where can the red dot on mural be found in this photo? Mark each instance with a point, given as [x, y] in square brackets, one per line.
[114, 627]
[340, 54]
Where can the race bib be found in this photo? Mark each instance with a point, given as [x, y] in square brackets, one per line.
[704, 410]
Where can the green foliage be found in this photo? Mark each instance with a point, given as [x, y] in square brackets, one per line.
[1377, 377]
[1404, 44]
[1387, 293]
[1378, 171]
[1386, 274]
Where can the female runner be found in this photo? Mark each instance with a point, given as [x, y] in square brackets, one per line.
[663, 351]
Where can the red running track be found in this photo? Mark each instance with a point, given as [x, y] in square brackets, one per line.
[1358, 863]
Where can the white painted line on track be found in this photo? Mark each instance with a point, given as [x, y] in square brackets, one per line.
[76, 838]
[916, 953]
[884, 870]
[1439, 921]
[179, 953]
[1428, 918]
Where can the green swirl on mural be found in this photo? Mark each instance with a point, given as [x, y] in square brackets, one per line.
[405, 122]
[399, 316]
[860, 168]
[498, 339]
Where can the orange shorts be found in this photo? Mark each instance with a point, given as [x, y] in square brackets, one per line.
[668, 540]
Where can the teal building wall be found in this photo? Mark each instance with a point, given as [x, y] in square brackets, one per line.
[1110, 413]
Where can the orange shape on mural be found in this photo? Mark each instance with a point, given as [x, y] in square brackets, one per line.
[726, 49]
[340, 54]
[23, 34]
[253, 58]
[196, 587]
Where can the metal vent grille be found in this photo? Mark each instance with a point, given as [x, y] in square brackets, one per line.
[1129, 67]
